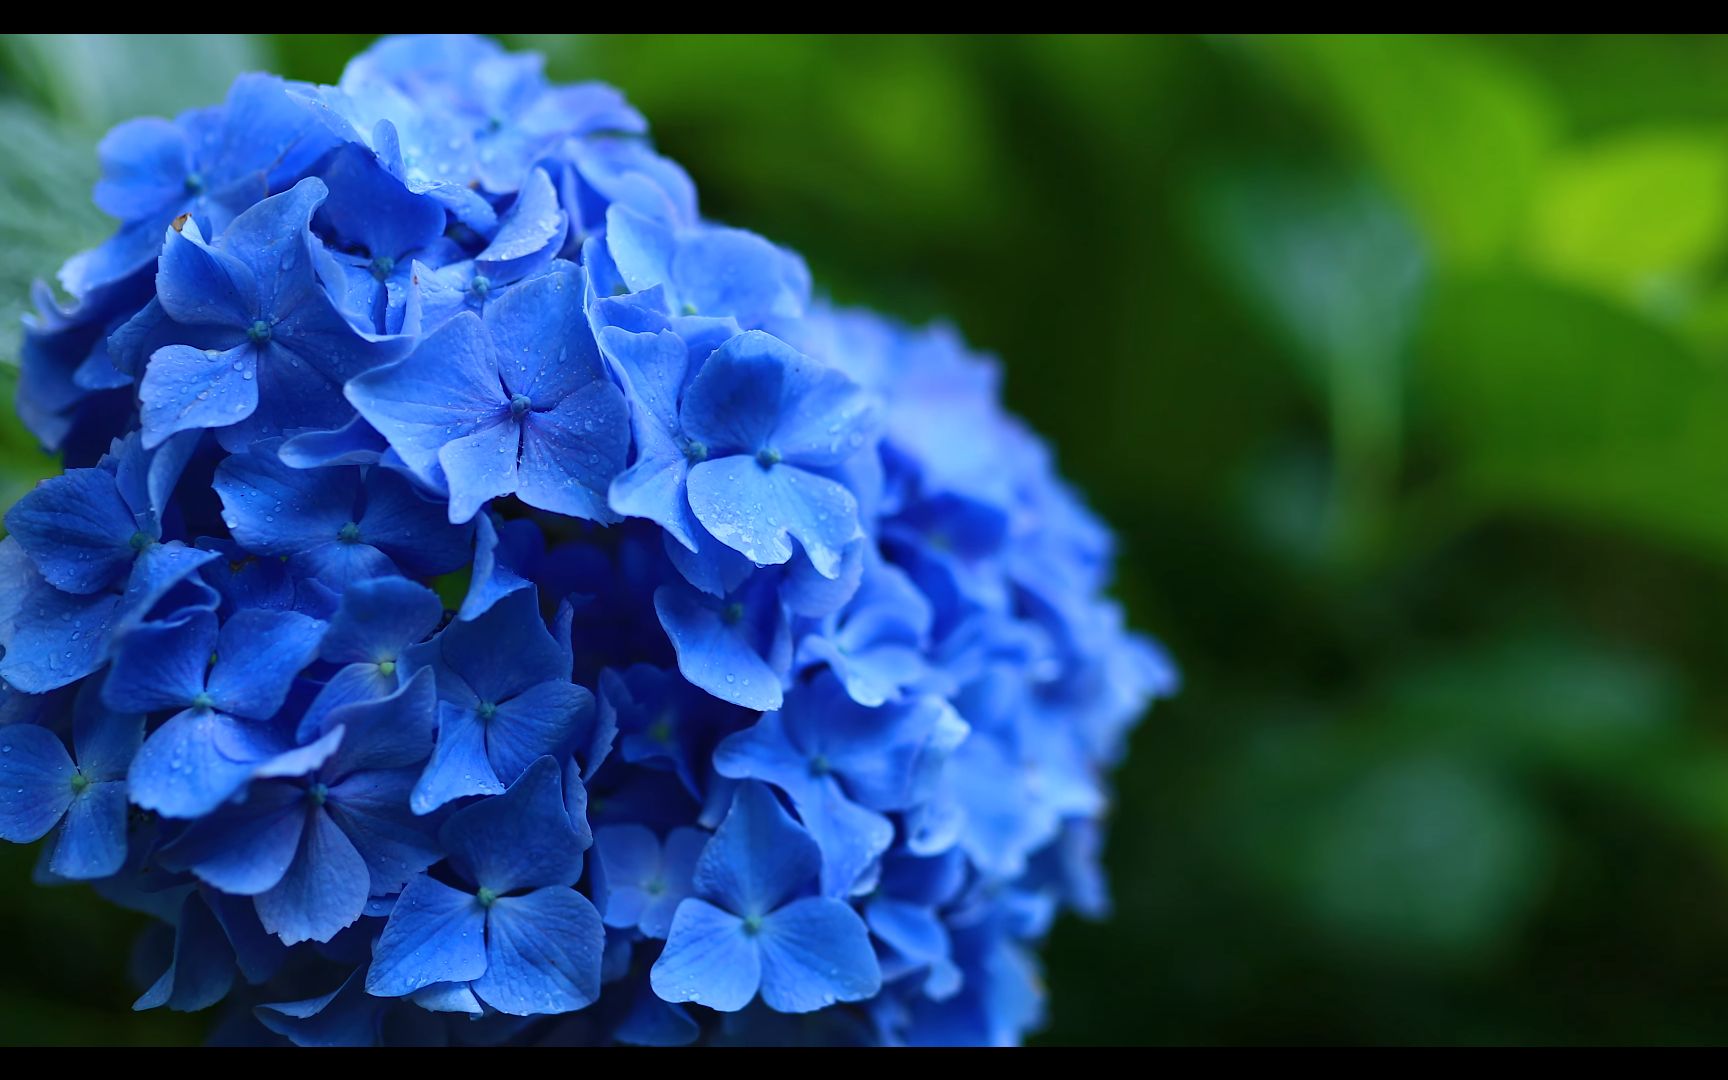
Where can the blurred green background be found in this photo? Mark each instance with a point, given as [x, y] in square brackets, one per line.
[1400, 366]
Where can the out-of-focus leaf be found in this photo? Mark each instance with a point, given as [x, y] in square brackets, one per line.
[1549, 398]
[45, 210]
[1538, 700]
[94, 81]
[1459, 133]
[1426, 856]
[1630, 211]
[1336, 269]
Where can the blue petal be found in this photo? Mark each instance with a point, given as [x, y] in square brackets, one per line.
[324, 890]
[199, 285]
[545, 349]
[41, 655]
[459, 764]
[447, 388]
[529, 235]
[92, 843]
[247, 848]
[258, 655]
[436, 934]
[411, 528]
[202, 967]
[380, 618]
[712, 653]
[161, 665]
[273, 509]
[481, 466]
[816, 952]
[77, 530]
[522, 839]
[497, 656]
[758, 857]
[503, 554]
[144, 168]
[392, 732]
[369, 207]
[708, 959]
[630, 858]
[192, 764]
[35, 782]
[346, 1016]
[372, 810]
[570, 453]
[354, 443]
[541, 720]
[186, 388]
[106, 741]
[753, 509]
[542, 953]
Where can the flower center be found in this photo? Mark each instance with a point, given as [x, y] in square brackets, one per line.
[349, 533]
[79, 783]
[317, 793]
[695, 452]
[480, 286]
[752, 924]
[195, 183]
[386, 667]
[768, 457]
[819, 766]
[485, 897]
[258, 332]
[520, 404]
[203, 702]
[141, 540]
[487, 710]
[732, 614]
[382, 267]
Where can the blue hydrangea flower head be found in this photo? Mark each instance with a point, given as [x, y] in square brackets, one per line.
[489, 602]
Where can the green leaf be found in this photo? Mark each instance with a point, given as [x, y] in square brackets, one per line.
[94, 81]
[1333, 266]
[1629, 211]
[45, 209]
[1459, 133]
[1549, 398]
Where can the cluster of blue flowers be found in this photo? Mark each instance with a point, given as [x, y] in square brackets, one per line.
[488, 602]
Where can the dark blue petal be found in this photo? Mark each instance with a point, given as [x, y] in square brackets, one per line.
[372, 810]
[202, 967]
[246, 848]
[323, 891]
